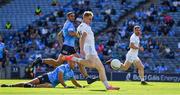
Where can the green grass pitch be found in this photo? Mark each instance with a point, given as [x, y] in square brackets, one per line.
[126, 88]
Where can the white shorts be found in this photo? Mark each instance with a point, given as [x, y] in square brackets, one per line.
[90, 50]
[131, 58]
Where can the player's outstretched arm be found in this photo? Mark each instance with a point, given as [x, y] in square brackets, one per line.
[61, 80]
[60, 39]
[76, 83]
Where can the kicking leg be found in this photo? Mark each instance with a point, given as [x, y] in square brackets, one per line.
[85, 62]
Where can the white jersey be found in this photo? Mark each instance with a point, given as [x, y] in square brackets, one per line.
[132, 54]
[89, 44]
[134, 39]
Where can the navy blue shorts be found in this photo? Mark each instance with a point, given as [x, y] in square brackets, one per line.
[43, 79]
[67, 50]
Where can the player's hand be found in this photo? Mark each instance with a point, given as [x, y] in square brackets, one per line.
[60, 33]
[78, 34]
[69, 87]
[141, 48]
[82, 53]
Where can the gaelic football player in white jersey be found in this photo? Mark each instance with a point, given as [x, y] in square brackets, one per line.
[132, 55]
[87, 49]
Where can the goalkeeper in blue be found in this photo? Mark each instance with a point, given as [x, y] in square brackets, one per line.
[51, 79]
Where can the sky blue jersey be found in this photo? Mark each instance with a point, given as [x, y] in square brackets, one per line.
[68, 27]
[67, 74]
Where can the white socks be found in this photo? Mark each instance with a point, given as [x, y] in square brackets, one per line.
[142, 79]
[106, 84]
